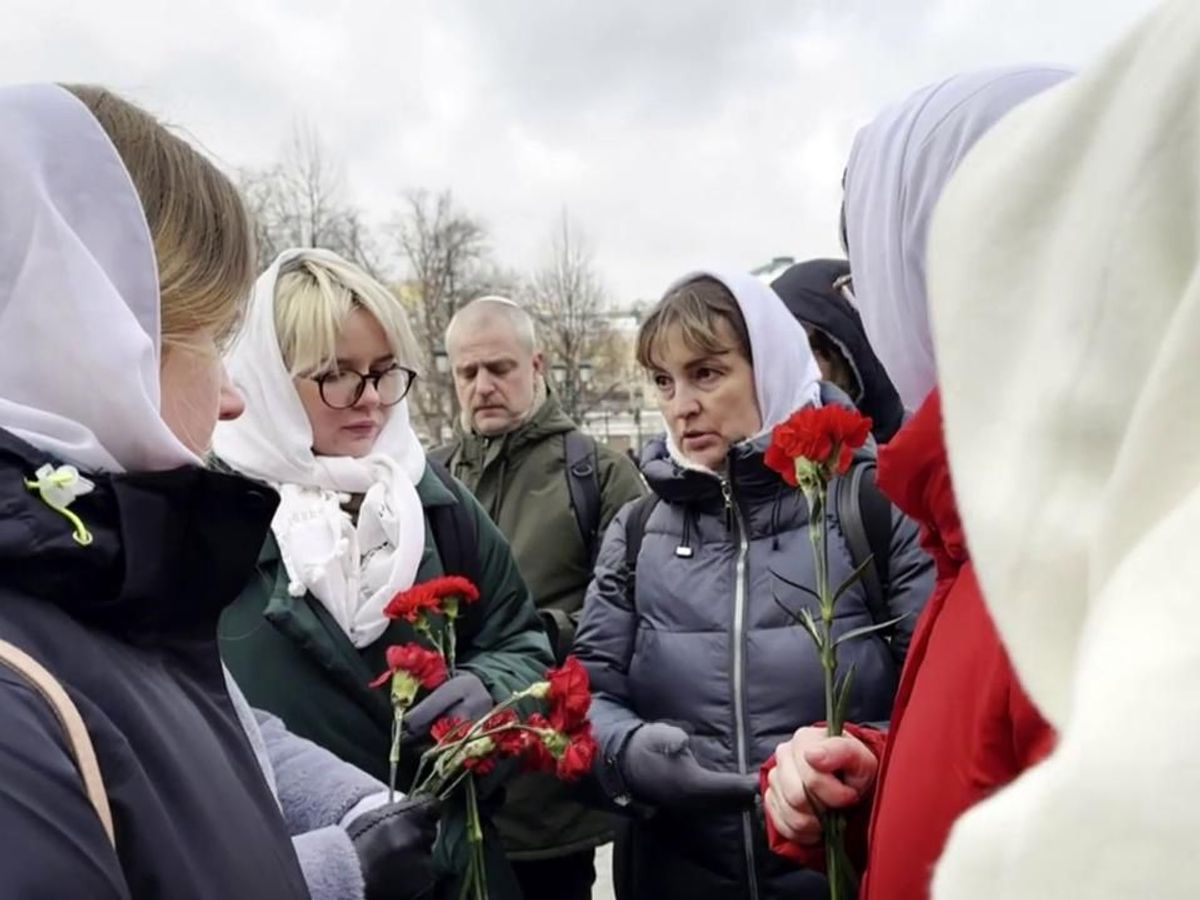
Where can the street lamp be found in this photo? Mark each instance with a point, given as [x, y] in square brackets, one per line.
[441, 361]
[585, 373]
[559, 373]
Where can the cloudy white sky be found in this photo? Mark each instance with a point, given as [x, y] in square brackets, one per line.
[675, 132]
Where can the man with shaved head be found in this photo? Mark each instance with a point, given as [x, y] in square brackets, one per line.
[552, 490]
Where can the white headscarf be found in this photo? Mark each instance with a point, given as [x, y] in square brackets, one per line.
[786, 375]
[79, 303]
[353, 571]
[897, 169]
[1065, 287]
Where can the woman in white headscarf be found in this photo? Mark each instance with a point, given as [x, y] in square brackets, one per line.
[325, 362]
[698, 672]
[962, 726]
[1066, 312]
[124, 260]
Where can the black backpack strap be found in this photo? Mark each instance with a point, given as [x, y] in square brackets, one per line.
[635, 532]
[456, 539]
[865, 515]
[583, 483]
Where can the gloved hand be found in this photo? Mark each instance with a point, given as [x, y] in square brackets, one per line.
[394, 843]
[463, 696]
[660, 768]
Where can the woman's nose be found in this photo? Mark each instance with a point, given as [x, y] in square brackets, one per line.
[369, 399]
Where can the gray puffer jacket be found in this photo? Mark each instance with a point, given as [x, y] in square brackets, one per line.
[706, 646]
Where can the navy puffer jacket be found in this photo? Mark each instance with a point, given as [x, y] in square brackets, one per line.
[705, 645]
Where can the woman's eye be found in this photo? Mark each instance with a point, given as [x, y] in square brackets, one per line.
[662, 382]
[706, 374]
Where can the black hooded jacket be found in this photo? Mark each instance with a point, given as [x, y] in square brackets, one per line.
[127, 624]
[807, 290]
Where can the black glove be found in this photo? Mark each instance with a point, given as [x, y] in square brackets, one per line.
[463, 696]
[394, 843]
[660, 768]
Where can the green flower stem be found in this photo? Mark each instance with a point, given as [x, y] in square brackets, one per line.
[394, 753]
[841, 878]
[475, 839]
[476, 729]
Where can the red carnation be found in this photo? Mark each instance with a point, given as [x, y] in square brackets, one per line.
[826, 437]
[569, 695]
[480, 765]
[453, 586]
[577, 759]
[509, 739]
[426, 667]
[411, 604]
[537, 755]
[449, 729]
[476, 756]
[431, 597]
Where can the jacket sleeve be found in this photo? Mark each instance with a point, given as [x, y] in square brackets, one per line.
[315, 788]
[330, 864]
[54, 844]
[604, 644]
[510, 650]
[911, 577]
[858, 821]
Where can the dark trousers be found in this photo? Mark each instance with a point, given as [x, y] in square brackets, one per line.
[562, 878]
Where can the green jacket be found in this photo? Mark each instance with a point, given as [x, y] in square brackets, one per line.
[290, 658]
[521, 480]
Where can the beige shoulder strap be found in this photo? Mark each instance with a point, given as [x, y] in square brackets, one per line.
[72, 724]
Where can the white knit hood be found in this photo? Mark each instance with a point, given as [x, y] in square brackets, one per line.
[1065, 298]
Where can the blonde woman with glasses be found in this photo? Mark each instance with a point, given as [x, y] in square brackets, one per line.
[325, 365]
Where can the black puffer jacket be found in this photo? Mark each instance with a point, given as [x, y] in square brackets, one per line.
[807, 290]
[128, 626]
[706, 646]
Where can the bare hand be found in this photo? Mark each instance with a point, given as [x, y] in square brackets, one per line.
[836, 772]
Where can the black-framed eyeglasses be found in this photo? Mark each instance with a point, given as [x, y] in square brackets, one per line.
[341, 390]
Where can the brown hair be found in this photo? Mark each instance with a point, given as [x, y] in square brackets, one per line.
[696, 308]
[203, 239]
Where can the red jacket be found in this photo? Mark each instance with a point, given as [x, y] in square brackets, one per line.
[962, 726]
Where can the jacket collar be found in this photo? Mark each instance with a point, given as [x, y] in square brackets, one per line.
[170, 549]
[914, 471]
[547, 421]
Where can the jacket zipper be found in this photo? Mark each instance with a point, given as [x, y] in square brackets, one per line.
[733, 519]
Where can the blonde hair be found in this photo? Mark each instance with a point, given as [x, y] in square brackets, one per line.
[315, 295]
[696, 308]
[202, 235]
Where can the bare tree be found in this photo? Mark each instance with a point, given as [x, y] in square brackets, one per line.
[449, 264]
[301, 202]
[567, 297]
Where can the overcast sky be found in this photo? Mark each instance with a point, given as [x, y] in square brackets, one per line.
[675, 132]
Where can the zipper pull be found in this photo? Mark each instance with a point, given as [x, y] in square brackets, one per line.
[727, 496]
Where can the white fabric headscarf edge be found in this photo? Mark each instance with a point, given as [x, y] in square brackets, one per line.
[786, 375]
[79, 298]
[897, 169]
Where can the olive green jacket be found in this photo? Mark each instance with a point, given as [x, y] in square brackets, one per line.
[521, 480]
[291, 658]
